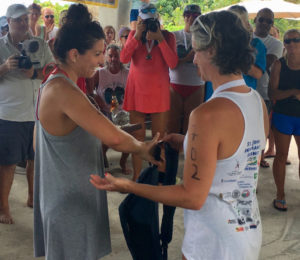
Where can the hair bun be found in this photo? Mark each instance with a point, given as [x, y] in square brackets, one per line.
[78, 15]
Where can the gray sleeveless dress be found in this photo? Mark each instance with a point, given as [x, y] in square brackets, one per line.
[70, 215]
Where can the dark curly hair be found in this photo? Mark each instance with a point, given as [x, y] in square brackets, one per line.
[79, 32]
[224, 32]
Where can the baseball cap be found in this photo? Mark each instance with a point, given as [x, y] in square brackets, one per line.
[192, 9]
[147, 11]
[3, 21]
[16, 10]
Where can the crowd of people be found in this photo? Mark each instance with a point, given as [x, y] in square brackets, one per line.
[210, 90]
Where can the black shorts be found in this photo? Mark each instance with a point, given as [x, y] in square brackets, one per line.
[16, 142]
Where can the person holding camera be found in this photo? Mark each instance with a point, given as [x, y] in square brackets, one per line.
[151, 52]
[187, 88]
[22, 58]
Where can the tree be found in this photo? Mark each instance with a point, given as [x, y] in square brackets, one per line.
[171, 13]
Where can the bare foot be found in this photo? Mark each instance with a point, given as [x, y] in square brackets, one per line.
[125, 169]
[5, 217]
[30, 202]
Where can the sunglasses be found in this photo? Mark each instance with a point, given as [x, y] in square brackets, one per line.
[149, 10]
[267, 20]
[188, 14]
[201, 24]
[288, 41]
[124, 36]
[49, 16]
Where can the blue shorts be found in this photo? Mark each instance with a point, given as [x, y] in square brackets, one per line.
[288, 125]
[134, 13]
[16, 142]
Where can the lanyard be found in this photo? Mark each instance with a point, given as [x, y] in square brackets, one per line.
[185, 41]
[149, 48]
[230, 84]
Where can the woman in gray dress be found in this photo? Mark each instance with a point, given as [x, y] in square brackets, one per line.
[70, 217]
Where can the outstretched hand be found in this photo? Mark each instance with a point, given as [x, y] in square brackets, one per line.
[148, 148]
[110, 183]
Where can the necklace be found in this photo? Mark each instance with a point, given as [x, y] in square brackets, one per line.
[149, 49]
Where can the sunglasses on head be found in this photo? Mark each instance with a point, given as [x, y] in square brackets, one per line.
[149, 10]
[288, 41]
[49, 16]
[267, 20]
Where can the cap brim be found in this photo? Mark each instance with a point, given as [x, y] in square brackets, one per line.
[19, 14]
[147, 15]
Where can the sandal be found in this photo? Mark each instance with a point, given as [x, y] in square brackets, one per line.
[264, 164]
[282, 202]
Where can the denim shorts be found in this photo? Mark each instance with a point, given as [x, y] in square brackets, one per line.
[16, 142]
[134, 13]
[288, 125]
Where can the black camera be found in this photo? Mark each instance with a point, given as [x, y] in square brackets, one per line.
[24, 61]
[152, 24]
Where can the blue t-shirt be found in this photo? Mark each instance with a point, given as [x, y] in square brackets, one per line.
[260, 61]
[136, 4]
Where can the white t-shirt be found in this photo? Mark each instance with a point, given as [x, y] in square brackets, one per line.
[18, 93]
[274, 47]
[112, 84]
[184, 73]
[53, 33]
[228, 226]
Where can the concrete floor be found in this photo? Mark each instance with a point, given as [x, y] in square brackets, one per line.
[281, 230]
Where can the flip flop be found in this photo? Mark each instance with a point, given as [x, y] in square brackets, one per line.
[264, 164]
[282, 202]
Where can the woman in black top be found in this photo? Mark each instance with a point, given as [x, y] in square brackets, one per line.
[285, 90]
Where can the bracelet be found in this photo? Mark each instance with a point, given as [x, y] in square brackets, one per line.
[35, 74]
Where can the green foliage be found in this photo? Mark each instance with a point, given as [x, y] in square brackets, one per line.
[171, 13]
[56, 7]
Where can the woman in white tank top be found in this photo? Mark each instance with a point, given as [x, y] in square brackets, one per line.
[222, 150]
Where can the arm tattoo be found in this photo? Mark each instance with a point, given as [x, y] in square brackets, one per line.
[194, 176]
[193, 154]
[194, 136]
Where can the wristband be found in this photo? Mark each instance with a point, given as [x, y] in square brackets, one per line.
[35, 74]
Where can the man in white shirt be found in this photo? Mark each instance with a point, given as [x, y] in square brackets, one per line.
[19, 83]
[263, 22]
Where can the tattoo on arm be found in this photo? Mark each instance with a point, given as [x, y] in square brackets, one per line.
[194, 176]
[193, 154]
[194, 136]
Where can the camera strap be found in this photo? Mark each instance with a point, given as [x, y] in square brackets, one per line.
[149, 49]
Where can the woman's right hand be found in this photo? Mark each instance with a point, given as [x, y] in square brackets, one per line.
[140, 28]
[147, 150]
[175, 140]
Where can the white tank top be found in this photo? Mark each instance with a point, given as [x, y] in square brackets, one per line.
[228, 225]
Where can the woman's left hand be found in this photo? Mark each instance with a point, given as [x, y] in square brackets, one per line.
[158, 36]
